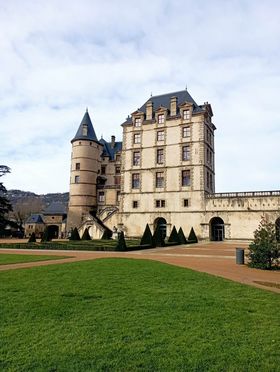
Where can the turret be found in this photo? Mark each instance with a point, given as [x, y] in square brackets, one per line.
[85, 166]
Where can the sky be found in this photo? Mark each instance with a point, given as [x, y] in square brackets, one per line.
[59, 57]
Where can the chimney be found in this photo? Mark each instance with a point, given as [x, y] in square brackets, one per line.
[173, 106]
[149, 110]
[113, 140]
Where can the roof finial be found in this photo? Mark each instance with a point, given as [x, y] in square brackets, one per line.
[151, 94]
[86, 109]
[186, 86]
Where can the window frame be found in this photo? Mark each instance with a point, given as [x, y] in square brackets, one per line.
[186, 180]
[135, 181]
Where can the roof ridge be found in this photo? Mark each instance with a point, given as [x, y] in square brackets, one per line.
[167, 94]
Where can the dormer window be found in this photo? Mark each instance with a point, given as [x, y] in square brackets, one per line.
[85, 130]
[186, 114]
[137, 122]
[161, 119]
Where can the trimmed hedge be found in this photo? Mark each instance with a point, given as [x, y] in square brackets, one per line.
[174, 238]
[147, 238]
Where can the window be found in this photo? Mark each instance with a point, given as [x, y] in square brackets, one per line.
[137, 138]
[186, 202]
[136, 158]
[186, 132]
[78, 165]
[160, 135]
[118, 158]
[207, 156]
[77, 179]
[159, 179]
[211, 182]
[137, 122]
[85, 130]
[186, 114]
[186, 178]
[207, 180]
[160, 157]
[118, 169]
[186, 153]
[101, 196]
[118, 197]
[135, 181]
[161, 119]
[135, 204]
[103, 169]
[160, 203]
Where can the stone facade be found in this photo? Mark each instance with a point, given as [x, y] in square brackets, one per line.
[162, 173]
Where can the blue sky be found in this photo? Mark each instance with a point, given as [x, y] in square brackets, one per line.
[59, 57]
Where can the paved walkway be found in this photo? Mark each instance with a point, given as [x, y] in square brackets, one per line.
[216, 258]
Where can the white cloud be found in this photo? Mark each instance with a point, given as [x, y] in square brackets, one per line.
[59, 57]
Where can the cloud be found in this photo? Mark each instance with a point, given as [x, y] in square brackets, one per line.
[59, 57]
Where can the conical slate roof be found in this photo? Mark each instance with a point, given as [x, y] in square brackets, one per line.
[85, 131]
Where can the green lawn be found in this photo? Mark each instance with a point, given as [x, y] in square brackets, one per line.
[134, 315]
[6, 259]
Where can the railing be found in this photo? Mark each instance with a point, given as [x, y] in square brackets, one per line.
[245, 194]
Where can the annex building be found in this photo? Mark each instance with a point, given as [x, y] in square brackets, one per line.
[162, 173]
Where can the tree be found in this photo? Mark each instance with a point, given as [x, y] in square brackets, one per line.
[86, 235]
[32, 238]
[46, 236]
[192, 237]
[158, 238]
[264, 252]
[75, 234]
[5, 205]
[147, 238]
[181, 236]
[121, 244]
[174, 238]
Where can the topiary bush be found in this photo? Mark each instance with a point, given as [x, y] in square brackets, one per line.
[86, 235]
[174, 238]
[46, 236]
[192, 237]
[107, 234]
[75, 234]
[121, 244]
[181, 236]
[264, 252]
[158, 238]
[32, 238]
[147, 238]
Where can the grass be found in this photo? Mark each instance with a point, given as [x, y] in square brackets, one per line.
[6, 259]
[134, 315]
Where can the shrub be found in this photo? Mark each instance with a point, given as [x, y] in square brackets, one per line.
[264, 252]
[121, 244]
[86, 235]
[181, 236]
[107, 234]
[147, 238]
[174, 238]
[32, 238]
[75, 234]
[192, 237]
[158, 238]
[46, 236]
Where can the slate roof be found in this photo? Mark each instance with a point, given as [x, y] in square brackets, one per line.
[34, 218]
[91, 136]
[108, 150]
[55, 208]
[164, 100]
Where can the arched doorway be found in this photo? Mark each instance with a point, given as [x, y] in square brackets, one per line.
[217, 229]
[53, 231]
[161, 224]
[277, 228]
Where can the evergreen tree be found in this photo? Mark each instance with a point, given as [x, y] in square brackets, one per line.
[264, 252]
[147, 238]
[46, 236]
[32, 238]
[75, 234]
[158, 238]
[121, 244]
[5, 205]
[192, 237]
[181, 236]
[174, 238]
[107, 234]
[86, 235]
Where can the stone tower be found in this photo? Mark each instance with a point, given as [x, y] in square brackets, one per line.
[85, 166]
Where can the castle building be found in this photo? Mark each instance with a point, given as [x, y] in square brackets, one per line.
[162, 173]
